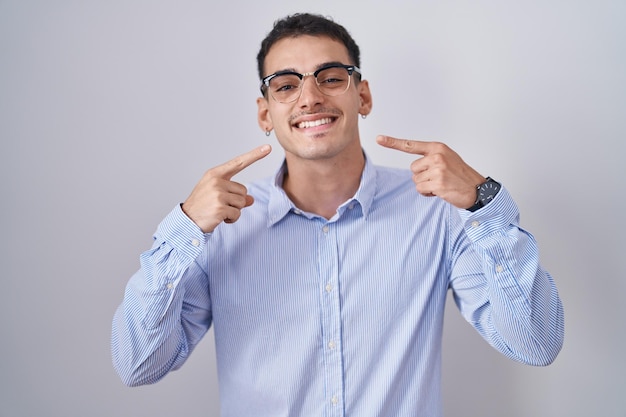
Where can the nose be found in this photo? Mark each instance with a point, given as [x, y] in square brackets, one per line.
[310, 94]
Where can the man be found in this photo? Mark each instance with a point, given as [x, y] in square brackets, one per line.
[326, 284]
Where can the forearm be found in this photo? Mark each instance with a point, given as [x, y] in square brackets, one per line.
[511, 300]
[142, 352]
[153, 333]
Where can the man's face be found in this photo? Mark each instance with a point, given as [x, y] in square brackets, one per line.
[315, 126]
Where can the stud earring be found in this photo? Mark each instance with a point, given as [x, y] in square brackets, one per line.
[363, 116]
[267, 132]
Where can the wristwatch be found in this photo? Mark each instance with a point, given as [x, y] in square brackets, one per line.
[485, 192]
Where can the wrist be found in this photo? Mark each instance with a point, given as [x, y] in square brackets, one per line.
[485, 193]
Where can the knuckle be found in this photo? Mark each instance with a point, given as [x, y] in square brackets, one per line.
[439, 159]
[439, 147]
[239, 202]
[210, 184]
[211, 176]
[238, 189]
[238, 162]
[233, 215]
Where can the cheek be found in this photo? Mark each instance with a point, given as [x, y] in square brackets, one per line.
[352, 110]
[278, 117]
[355, 103]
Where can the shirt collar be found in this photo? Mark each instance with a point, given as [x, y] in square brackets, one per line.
[280, 205]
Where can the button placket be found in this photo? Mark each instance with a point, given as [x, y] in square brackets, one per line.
[331, 316]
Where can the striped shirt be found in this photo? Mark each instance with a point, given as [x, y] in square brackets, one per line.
[339, 317]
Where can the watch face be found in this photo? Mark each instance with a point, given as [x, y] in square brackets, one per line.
[488, 191]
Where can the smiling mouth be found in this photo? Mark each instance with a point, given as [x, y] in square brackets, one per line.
[314, 123]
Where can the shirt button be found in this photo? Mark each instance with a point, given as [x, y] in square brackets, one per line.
[297, 211]
[332, 345]
[195, 242]
[334, 400]
[475, 223]
[351, 206]
[325, 229]
[328, 288]
[169, 286]
[499, 268]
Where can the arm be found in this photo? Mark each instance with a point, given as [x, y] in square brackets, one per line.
[167, 308]
[500, 286]
[496, 277]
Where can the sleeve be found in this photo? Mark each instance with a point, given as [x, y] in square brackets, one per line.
[499, 285]
[166, 307]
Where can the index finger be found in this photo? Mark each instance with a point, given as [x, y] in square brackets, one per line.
[241, 162]
[417, 147]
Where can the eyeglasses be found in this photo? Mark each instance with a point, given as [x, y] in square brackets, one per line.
[331, 80]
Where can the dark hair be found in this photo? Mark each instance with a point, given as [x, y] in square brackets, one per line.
[307, 24]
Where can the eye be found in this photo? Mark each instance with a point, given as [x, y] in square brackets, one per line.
[286, 87]
[332, 76]
[331, 80]
[284, 83]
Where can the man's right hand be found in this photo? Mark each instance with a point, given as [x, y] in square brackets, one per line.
[216, 198]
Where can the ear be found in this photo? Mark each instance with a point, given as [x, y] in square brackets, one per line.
[263, 115]
[365, 97]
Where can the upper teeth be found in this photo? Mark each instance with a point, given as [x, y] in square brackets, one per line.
[313, 123]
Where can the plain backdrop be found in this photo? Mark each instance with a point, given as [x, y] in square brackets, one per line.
[110, 111]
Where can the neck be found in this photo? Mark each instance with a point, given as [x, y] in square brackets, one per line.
[320, 187]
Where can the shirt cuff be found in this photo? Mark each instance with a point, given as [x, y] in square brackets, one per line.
[182, 234]
[497, 216]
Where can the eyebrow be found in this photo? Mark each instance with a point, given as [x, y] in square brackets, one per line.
[322, 65]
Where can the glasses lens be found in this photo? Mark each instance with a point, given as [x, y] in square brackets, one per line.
[285, 87]
[333, 81]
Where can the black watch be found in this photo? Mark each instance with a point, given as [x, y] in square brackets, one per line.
[485, 192]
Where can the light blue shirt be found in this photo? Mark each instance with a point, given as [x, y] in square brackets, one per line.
[339, 317]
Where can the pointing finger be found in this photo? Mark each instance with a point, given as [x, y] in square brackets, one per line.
[409, 146]
[241, 162]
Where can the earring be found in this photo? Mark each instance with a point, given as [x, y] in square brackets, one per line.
[267, 132]
[363, 116]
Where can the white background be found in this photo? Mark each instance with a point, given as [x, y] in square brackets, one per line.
[110, 111]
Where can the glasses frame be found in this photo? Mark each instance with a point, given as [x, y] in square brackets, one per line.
[265, 82]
